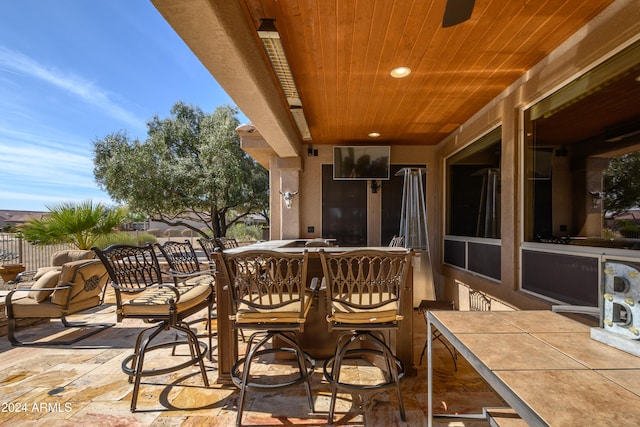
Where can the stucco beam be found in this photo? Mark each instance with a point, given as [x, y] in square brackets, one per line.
[289, 163]
[258, 149]
[219, 35]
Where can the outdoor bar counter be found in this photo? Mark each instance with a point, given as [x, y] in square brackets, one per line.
[316, 338]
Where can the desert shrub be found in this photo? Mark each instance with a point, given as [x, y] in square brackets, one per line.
[172, 232]
[628, 224]
[243, 232]
[187, 232]
[144, 238]
[155, 232]
[629, 228]
[116, 239]
[126, 239]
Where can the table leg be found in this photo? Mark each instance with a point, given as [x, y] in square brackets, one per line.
[404, 336]
[227, 335]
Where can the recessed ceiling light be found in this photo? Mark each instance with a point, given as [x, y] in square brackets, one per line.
[400, 72]
[374, 134]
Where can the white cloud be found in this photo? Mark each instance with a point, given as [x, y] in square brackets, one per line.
[19, 63]
[49, 199]
[41, 162]
[27, 164]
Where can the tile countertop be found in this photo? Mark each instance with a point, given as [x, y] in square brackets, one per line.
[547, 367]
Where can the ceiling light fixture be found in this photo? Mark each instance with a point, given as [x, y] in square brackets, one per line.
[273, 46]
[374, 134]
[400, 72]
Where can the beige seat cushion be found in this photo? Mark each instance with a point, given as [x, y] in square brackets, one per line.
[29, 308]
[207, 279]
[155, 301]
[288, 313]
[343, 313]
[62, 257]
[44, 270]
[47, 281]
[87, 279]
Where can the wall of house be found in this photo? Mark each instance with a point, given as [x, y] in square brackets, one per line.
[607, 34]
[306, 208]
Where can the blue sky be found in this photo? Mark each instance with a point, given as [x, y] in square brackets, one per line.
[73, 71]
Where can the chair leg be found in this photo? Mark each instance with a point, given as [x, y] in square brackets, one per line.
[144, 344]
[209, 329]
[453, 353]
[332, 404]
[140, 350]
[332, 368]
[257, 347]
[391, 361]
[395, 378]
[196, 354]
[302, 367]
[335, 365]
[424, 349]
[94, 328]
[11, 329]
[184, 327]
[136, 353]
[248, 359]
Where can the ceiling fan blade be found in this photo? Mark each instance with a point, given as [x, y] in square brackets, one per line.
[456, 12]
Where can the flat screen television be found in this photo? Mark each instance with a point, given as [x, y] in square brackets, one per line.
[361, 162]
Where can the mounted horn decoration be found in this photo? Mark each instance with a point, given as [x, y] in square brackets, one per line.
[596, 197]
[288, 198]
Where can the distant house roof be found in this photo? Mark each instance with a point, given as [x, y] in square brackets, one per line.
[633, 214]
[11, 217]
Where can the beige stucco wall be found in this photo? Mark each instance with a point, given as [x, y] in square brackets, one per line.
[306, 210]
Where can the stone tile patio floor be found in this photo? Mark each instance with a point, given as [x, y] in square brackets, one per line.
[83, 385]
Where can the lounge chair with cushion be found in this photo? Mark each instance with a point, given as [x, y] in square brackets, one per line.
[57, 260]
[56, 293]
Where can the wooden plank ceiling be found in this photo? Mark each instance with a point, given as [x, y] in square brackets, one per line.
[342, 51]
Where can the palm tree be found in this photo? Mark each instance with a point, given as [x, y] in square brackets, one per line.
[81, 224]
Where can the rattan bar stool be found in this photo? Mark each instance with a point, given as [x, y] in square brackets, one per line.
[364, 290]
[270, 298]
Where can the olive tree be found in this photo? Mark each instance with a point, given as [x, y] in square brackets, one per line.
[191, 167]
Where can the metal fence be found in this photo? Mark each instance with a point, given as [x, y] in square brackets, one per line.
[16, 250]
